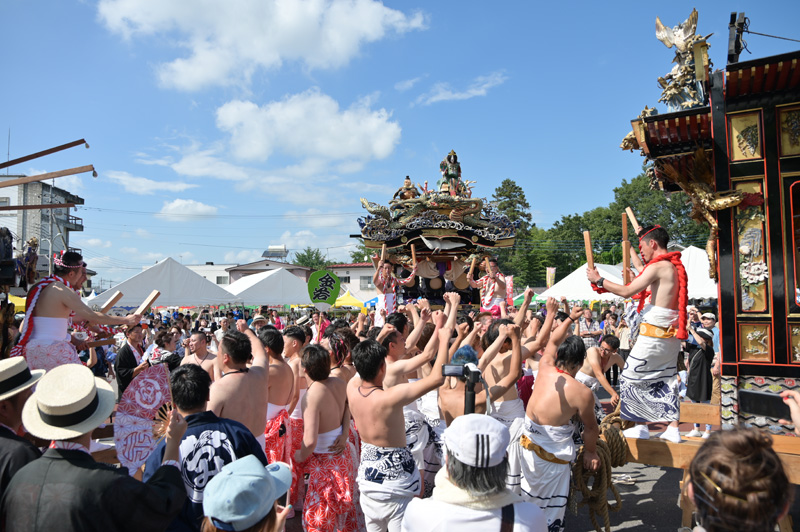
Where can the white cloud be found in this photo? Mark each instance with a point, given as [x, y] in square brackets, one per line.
[442, 92]
[183, 210]
[309, 124]
[143, 185]
[129, 251]
[243, 257]
[94, 243]
[406, 84]
[227, 42]
[143, 233]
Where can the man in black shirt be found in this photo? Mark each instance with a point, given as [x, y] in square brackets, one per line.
[16, 381]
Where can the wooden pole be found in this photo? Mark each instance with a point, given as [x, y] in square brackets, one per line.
[111, 302]
[587, 241]
[626, 261]
[486, 265]
[383, 252]
[413, 256]
[472, 267]
[147, 303]
[45, 177]
[632, 218]
[98, 343]
[624, 227]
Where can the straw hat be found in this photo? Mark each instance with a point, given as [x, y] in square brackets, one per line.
[68, 402]
[15, 377]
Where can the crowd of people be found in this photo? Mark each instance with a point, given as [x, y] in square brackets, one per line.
[435, 418]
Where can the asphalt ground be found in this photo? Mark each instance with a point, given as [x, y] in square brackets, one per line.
[649, 502]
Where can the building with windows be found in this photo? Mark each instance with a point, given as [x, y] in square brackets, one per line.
[356, 277]
[225, 274]
[51, 226]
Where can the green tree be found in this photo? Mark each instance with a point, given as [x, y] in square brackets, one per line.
[311, 258]
[361, 253]
[509, 199]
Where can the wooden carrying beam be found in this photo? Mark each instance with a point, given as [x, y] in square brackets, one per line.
[45, 177]
[632, 217]
[587, 242]
[147, 303]
[98, 343]
[39, 206]
[38, 154]
[626, 262]
[111, 302]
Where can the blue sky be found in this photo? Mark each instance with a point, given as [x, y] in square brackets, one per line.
[220, 128]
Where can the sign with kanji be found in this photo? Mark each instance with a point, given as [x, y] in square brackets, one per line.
[323, 287]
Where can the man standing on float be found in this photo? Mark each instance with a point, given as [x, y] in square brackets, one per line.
[647, 384]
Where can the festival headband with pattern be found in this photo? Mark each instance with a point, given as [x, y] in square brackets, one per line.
[60, 263]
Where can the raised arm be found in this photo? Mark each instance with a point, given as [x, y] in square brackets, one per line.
[72, 300]
[523, 308]
[260, 359]
[508, 380]
[419, 325]
[407, 392]
[492, 350]
[637, 285]
[533, 345]
[549, 355]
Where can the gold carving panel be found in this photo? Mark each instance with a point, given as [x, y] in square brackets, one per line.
[755, 341]
[752, 266]
[745, 136]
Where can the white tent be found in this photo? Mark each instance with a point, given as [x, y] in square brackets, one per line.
[179, 287]
[576, 287]
[272, 287]
[701, 286]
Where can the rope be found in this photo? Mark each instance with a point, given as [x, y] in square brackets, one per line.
[612, 448]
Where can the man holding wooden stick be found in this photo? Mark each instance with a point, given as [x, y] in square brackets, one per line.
[648, 381]
[51, 304]
[386, 285]
[493, 287]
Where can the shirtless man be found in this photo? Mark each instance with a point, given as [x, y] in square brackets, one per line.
[197, 353]
[388, 477]
[593, 372]
[541, 444]
[509, 406]
[44, 340]
[330, 496]
[281, 391]
[294, 340]
[240, 393]
[649, 380]
[386, 285]
[451, 394]
[493, 289]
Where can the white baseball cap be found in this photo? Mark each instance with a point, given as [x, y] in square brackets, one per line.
[477, 440]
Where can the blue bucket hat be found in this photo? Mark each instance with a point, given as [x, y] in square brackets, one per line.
[244, 492]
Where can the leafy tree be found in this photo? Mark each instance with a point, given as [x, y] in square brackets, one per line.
[361, 253]
[509, 199]
[311, 258]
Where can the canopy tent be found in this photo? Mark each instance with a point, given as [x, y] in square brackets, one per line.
[272, 287]
[19, 302]
[520, 298]
[576, 287]
[348, 300]
[701, 286]
[372, 302]
[179, 287]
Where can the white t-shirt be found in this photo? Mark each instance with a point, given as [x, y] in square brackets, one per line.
[430, 515]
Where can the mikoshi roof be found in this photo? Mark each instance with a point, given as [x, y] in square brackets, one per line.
[179, 286]
[272, 287]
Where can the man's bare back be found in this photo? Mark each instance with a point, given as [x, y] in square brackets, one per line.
[557, 396]
[378, 413]
[281, 382]
[241, 392]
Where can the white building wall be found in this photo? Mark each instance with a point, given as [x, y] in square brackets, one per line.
[359, 281]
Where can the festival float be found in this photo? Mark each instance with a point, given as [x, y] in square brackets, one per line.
[442, 235]
[731, 142]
